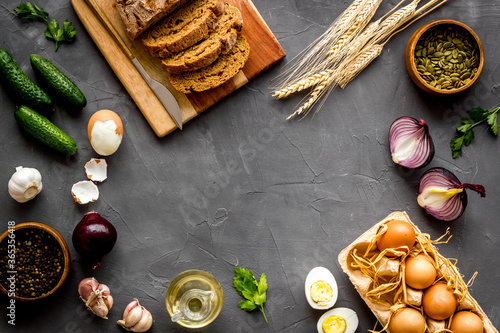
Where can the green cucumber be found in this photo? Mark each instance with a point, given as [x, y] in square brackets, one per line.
[21, 88]
[58, 85]
[42, 129]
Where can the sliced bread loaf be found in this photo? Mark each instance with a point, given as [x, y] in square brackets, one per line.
[220, 40]
[215, 74]
[183, 28]
[138, 15]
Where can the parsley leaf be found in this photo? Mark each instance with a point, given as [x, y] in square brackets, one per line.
[29, 11]
[477, 114]
[65, 34]
[254, 292]
[466, 130]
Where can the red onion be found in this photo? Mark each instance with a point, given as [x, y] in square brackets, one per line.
[93, 237]
[442, 195]
[410, 142]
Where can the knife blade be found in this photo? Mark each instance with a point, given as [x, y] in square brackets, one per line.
[164, 95]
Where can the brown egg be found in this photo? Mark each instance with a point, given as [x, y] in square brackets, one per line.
[407, 320]
[466, 322]
[419, 271]
[399, 233]
[105, 130]
[439, 302]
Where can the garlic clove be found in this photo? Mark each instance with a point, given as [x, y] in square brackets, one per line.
[25, 184]
[133, 317]
[136, 318]
[108, 300]
[129, 307]
[144, 323]
[100, 309]
[86, 287]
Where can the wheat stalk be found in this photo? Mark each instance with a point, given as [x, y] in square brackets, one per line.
[354, 51]
[314, 59]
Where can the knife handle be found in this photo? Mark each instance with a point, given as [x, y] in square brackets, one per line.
[109, 26]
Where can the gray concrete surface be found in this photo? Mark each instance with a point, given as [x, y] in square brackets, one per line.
[240, 186]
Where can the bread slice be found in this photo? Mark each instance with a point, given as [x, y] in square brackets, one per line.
[138, 15]
[183, 28]
[200, 55]
[215, 74]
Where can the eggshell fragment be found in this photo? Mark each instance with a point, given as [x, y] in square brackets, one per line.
[84, 192]
[96, 169]
[105, 131]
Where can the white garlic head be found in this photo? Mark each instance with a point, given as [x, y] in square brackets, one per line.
[136, 318]
[25, 184]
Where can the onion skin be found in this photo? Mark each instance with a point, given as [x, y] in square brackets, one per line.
[410, 143]
[94, 237]
[442, 194]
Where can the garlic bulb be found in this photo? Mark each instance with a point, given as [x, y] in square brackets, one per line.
[96, 296]
[136, 318]
[25, 184]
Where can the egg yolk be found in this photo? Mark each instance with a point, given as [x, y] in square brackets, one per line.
[334, 324]
[321, 292]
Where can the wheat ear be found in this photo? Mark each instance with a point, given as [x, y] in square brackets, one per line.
[302, 84]
[360, 63]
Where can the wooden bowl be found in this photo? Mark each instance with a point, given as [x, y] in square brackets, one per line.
[60, 240]
[410, 57]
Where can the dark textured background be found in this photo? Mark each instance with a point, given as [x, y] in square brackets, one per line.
[242, 186]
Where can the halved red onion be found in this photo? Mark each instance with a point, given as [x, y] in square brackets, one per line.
[410, 143]
[442, 195]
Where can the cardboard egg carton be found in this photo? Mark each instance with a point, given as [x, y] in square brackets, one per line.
[363, 283]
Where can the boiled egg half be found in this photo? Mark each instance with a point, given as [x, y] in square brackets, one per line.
[321, 288]
[105, 130]
[338, 320]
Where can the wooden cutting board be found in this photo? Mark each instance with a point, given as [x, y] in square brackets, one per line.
[265, 51]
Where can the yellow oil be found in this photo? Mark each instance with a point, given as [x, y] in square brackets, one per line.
[194, 299]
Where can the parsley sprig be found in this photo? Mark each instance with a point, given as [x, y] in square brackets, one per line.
[254, 292]
[60, 35]
[466, 130]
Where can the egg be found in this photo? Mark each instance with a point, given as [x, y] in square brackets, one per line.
[321, 288]
[466, 322]
[420, 273]
[407, 320]
[398, 234]
[105, 130]
[338, 320]
[439, 302]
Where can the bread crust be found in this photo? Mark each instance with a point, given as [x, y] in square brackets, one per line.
[138, 15]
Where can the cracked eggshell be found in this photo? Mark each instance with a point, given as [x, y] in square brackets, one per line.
[321, 288]
[84, 192]
[105, 130]
[350, 317]
[96, 169]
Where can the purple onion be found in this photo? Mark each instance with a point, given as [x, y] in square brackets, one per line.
[442, 195]
[93, 237]
[410, 143]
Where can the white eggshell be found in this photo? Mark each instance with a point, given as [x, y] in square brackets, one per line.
[350, 317]
[84, 192]
[317, 274]
[96, 169]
